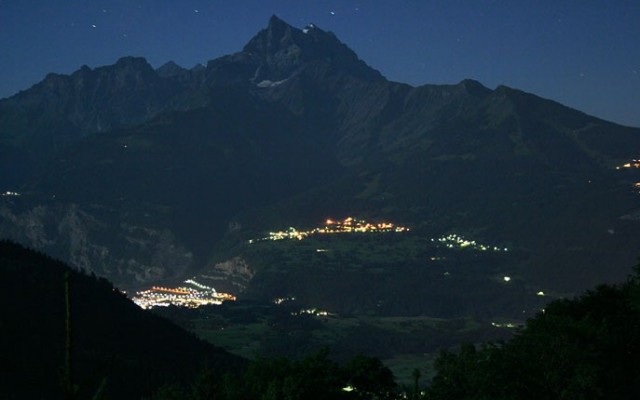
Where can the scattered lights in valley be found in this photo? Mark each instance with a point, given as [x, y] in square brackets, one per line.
[348, 225]
[192, 296]
[312, 311]
[454, 241]
[10, 194]
[316, 312]
[509, 325]
[281, 300]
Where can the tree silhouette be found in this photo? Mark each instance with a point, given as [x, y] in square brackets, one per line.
[585, 348]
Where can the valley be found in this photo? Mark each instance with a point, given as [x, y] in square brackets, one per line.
[253, 329]
[384, 290]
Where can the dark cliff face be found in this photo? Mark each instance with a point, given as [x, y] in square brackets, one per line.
[41, 122]
[296, 128]
[95, 100]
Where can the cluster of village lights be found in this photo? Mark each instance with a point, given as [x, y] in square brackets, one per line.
[347, 225]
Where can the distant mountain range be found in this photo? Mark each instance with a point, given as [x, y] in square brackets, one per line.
[145, 176]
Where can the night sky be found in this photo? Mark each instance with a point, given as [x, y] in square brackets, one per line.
[584, 54]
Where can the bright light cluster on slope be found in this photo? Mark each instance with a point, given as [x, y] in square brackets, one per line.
[192, 296]
[454, 241]
[348, 225]
[633, 164]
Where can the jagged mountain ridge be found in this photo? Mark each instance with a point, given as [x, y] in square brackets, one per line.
[64, 108]
[295, 128]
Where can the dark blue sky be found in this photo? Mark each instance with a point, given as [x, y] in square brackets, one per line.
[584, 54]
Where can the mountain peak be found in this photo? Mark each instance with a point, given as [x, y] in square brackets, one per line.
[474, 87]
[128, 66]
[282, 50]
[276, 21]
[276, 36]
[131, 61]
[170, 69]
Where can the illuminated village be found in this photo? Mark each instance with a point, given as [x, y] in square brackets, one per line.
[348, 225]
[193, 295]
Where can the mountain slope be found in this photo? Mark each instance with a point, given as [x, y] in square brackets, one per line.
[61, 109]
[293, 129]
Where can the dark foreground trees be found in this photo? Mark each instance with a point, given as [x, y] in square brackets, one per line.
[314, 377]
[586, 348]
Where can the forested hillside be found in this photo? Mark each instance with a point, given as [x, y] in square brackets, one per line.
[116, 350]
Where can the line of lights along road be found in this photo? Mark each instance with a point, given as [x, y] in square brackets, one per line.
[347, 225]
